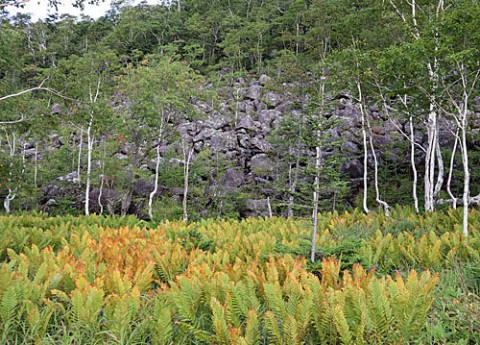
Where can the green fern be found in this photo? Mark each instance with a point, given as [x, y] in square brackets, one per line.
[273, 328]
[9, 303]
[162, 325]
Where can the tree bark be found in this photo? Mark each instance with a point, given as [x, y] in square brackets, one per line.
[365, 149]
[316, 189]
[188, 153]
[414, 167]
[89, 166]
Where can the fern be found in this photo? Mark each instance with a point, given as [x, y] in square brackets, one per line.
[219, 324]
[162, 324]
[9, 303]
[342, 326]
[379, 310]
[273, 328]
[252, 334]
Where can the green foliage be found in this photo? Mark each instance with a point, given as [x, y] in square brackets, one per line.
[110, 279]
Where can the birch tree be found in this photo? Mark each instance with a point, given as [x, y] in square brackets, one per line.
[418, 20]
[160, 89]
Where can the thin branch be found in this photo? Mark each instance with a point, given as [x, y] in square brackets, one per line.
[40, 88]
[21, 119]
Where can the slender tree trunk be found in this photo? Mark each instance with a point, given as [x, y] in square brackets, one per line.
[414, 166]
[270, 214]
[35, 169]
[382, 203]
[430, 160]
[441, 168]
[79, 162]
[188, 153]
[8, 199]
[155, 188]
[466, 173]
[463, 130]
[450, 172]
[293, 186]
[316, 189]
[100, 192]
[89, 166]
[365, 149]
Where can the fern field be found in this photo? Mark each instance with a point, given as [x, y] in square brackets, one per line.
[406, 279]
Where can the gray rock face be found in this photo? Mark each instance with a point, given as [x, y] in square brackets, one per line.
[353, 168]
[223, 141]
[256, 207]
[264, 79]
[231, 180]
[254, 92]
[247, 123]
[267, 117]
[261, 166]
[272, 100]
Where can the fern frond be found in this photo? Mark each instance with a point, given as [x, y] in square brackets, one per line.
[9, 303]
[252, 336]
[219, 324]
[273, 328]
[342, 326]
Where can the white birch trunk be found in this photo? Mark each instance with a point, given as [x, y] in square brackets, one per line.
[466, 173]
[155, 188]
[35, 168]
[414, 167]
[450, 172]
[293, 178]
[89, 166]
[316, 188]
[188, 153]
[8, 199]
[381, 202]
[79, 162]
[365, 150]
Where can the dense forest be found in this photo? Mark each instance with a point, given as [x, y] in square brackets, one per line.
[234, 108]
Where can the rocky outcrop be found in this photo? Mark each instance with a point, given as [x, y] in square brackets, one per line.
[239, 130]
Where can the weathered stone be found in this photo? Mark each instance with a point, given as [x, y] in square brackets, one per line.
[264, 79]
[246, 107]
[350, 147]
[353, 168]
[223, 141]
[244, 140]
[231, 180]
[121, 156]
[256, 207]
[272, 100]
[57, 109]
[71, 177]
[204, 134]
[259, 144]
[268, 116]
[247, 123]
[261, 165]
[143, 188]
[254, 92]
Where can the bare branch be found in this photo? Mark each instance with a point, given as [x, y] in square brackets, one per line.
[21, 119]
[40, 88]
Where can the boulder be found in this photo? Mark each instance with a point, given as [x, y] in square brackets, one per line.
[264, 79]
[247, 123]
[272, 100]
[261, 165]
[353, 168]
[231, 180]
[254, 92]
[267, 117]
[256, 208]
[223, 141]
